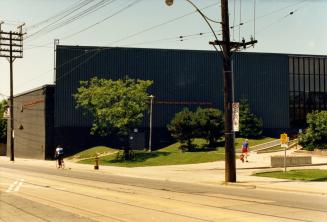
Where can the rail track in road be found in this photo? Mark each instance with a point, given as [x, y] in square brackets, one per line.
[135, 189]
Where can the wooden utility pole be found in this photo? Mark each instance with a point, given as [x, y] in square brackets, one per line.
[11, 47]
[227, 47]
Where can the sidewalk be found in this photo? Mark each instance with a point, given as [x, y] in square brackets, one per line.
[212, 173]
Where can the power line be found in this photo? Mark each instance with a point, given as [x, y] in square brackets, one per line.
[60, 14]
[275, 22]
[89, 27]
[63, 15]
[161, 24]
[103, 20]
[56, 25]
[270, 13]
[98, 50]
[180, 38]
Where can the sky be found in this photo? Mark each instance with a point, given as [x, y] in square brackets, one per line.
[280, 26]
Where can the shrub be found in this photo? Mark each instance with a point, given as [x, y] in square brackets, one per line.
[209, 125]
[183, 128]
[316, 133]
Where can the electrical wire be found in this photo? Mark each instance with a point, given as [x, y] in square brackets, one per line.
[103, 20]
[98, 50]
[135, 34]
[56, 25]
[91, 26]
[69, 13]
[273, 12]
[159, 25]
[180, 38]
[66, 11]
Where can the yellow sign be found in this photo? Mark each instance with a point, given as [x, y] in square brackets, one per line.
[283, 138]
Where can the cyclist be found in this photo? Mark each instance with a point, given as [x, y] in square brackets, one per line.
[59, 155]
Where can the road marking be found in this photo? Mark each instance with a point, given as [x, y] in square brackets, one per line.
[15, 186]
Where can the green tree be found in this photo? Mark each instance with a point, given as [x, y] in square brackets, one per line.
[117, 107]
[250, 125]
[3, 122]
[182, 127]
[210, 125]
[316, 133]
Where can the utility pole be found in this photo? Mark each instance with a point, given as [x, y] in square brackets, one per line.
[13, 48]
[227, 47]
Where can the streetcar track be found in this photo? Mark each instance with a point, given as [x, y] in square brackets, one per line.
[162, 211]
[201, 194]
[26, 212]
[156, 210]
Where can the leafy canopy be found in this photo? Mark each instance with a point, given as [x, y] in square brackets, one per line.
[210, 124]
[203, 123]
[182, 128]
[117, 106]
[316, 133]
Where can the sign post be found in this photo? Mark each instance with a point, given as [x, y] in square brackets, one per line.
[284, 143]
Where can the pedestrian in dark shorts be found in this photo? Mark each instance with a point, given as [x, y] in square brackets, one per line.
[59, 155]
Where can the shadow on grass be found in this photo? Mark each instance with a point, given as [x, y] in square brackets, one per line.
[203, 149]
[138, 157]
[320, 179]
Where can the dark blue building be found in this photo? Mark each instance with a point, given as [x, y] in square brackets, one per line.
[280, 88]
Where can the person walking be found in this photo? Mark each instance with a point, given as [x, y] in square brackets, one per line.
[245, 150]
[59, 155]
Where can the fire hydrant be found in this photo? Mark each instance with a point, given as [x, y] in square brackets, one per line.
[96, 166]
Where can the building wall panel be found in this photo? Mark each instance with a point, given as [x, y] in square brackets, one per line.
[181, 78]
[262, 79]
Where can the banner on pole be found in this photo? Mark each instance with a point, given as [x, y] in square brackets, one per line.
[236, 117]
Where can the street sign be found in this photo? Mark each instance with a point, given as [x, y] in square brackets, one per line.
[236, 117]
[283, 138]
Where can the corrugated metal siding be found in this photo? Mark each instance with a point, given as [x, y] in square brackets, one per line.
[263, 80]
[180, 76]
[29, 125]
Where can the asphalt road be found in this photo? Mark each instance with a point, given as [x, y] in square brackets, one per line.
[30, 193]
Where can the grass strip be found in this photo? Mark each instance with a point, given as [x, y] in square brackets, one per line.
[305, 175]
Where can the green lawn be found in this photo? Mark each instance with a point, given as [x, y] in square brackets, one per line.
[170, 155]
[306, 175]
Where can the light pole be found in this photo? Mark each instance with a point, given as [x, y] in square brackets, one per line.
[150, 126]
[11, 47]
[226, 47]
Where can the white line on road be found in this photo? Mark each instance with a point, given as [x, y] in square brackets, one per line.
[15, 186]
[11, 187]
